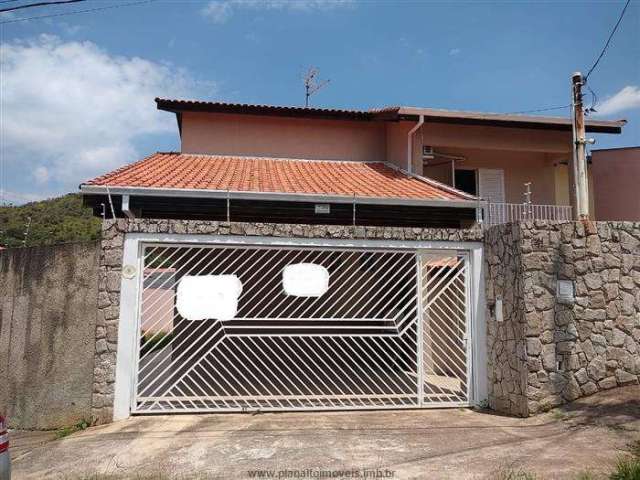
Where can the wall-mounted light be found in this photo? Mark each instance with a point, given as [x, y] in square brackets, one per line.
[322, 208]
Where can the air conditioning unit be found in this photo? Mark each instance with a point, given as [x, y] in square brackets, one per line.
[427, 153]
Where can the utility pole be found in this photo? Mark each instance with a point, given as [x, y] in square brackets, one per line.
[579, 162]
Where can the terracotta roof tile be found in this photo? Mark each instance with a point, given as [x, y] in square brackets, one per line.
[259, 174]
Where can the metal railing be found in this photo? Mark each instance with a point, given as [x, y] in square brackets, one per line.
[499, 213]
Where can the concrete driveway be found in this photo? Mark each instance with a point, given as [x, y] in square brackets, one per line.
[414, 444]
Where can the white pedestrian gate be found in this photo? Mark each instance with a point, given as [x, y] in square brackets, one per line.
[389, 330]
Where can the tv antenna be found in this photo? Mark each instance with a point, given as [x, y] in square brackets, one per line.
[312, 84]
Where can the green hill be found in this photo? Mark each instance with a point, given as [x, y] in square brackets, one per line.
[57, 220]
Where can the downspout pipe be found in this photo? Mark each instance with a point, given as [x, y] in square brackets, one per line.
[125, 207]
[410, 143]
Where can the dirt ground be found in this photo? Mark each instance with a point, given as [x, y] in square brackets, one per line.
[414, 444]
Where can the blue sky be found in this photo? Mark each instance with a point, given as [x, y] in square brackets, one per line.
[77, 91]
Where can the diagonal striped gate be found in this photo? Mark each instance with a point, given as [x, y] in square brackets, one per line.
[388, 330]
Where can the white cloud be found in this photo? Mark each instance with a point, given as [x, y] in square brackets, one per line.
[219, 11]
[41, 174]
[9, 196]
[71, 111]
[626, 99]
[71, 30]
[454, 51]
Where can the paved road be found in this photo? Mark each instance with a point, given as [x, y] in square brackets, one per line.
[461, 444]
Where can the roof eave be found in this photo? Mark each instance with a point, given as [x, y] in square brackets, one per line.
[89, 189]
[507, 121]
[391, 114]
[593, 150]
[180, 106]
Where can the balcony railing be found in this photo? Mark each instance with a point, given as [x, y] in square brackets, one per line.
[498, 213]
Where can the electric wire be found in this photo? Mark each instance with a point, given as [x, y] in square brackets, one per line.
[545, 109]
[88, 10]
[39, 4]
[606, 45]
[594, 96]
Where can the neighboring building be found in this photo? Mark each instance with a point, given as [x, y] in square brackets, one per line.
[616, 173]
[303, 258]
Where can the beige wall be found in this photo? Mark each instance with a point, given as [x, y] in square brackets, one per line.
[616, 174]
[397, 143]
[519, 167]
[536, 156]
[350, 140]
[562, 180]
[247, 135]
[496, 138]
[525, 155]
[473, 136]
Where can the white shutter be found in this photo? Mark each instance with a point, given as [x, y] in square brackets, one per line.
[491, 184]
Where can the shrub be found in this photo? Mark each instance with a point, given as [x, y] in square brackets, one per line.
[154, 341]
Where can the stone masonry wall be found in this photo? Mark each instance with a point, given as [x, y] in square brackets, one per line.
[111, 264]
[546, 353]
[541, 355]
[506, 357]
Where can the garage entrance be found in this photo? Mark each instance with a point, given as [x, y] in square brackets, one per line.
[227, 327]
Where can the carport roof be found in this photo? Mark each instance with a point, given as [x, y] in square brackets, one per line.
[163, 173]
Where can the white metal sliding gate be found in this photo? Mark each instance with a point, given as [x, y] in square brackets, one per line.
[391, 331]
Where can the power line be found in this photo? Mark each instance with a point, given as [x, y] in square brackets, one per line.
[39, 4]
[606, 45]
[546, 109]
[88, 10]
[594, 101]
[594, 97]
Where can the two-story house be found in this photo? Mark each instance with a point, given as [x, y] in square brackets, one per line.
[295, 258]
[490, 156]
